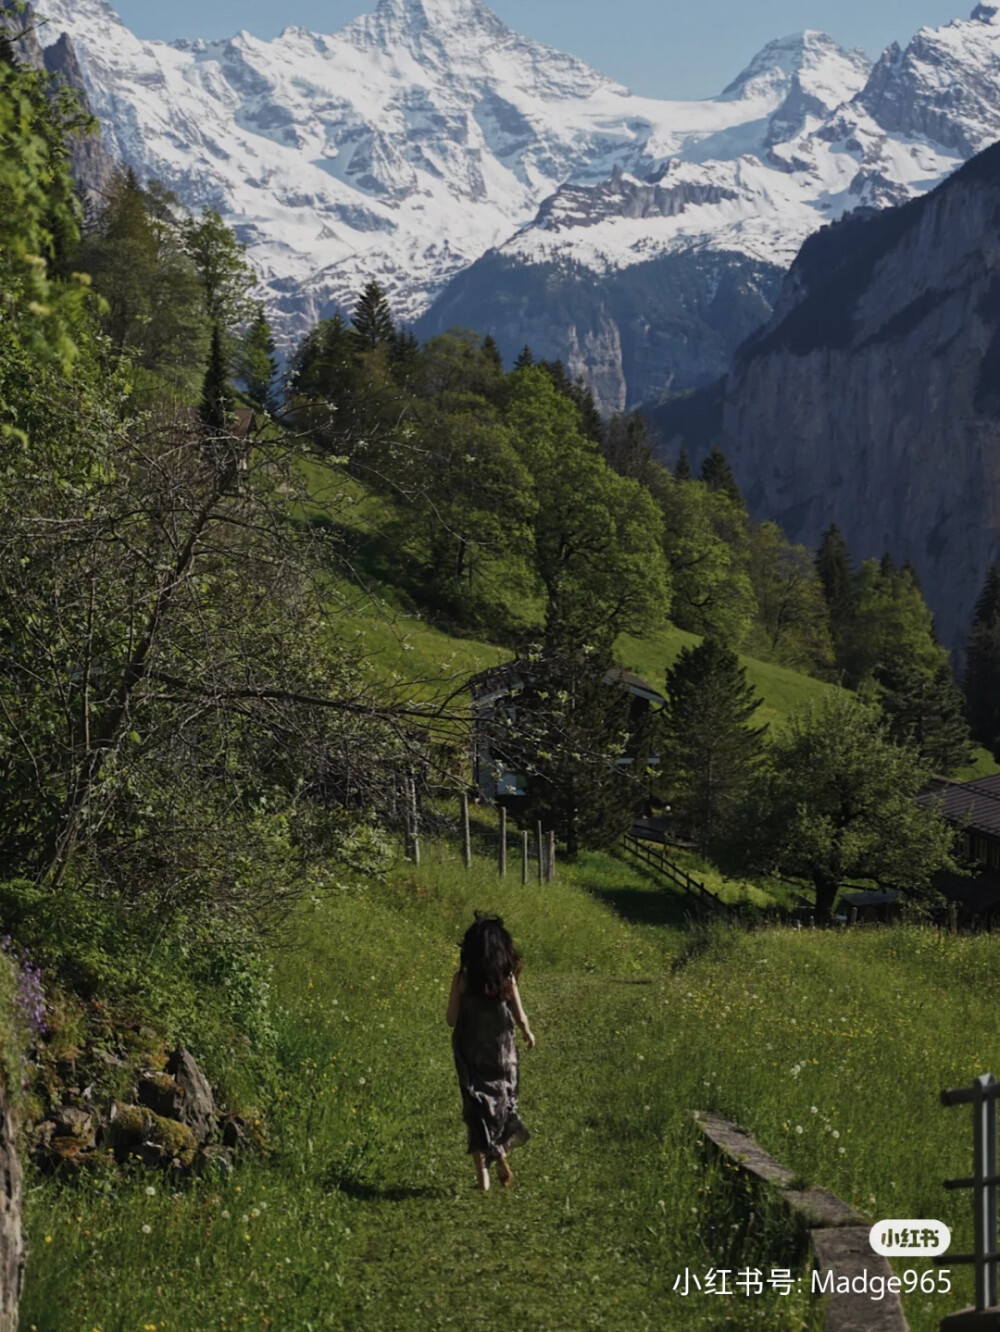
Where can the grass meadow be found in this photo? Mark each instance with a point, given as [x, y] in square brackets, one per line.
[831, 1047]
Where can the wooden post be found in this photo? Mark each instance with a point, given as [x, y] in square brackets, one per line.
[466, 835]
[524, 856]
[538, 849]
[414, 822]
[503, 841]
[551, 858]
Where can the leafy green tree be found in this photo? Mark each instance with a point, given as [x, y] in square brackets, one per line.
[372, 319]
[792, 624]
[39, 212]
[226, 276]
[840, 804]
[982, 666]
[154, 308]
[597, 550]
[889, 620]
[578, 739]
[925, 711]
[710, 752]
[468, 504]
[706, 544]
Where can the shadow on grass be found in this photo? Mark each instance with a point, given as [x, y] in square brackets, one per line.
[646, 906]
[361, 1191]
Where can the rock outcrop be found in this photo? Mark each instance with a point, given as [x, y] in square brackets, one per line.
[90, 160]
[872, 399]
[12, 1252]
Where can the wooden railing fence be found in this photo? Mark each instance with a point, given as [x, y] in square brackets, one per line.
[653, 854]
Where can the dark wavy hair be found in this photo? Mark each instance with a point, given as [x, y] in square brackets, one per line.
[489, 957]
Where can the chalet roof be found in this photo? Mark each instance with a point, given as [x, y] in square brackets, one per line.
[975, 804]
[498, 680]
[244, 420]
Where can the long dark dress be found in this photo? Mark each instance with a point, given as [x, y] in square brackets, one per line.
[486, 1060]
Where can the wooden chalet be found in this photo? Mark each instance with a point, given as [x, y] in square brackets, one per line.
[498, 689]
[974, 808]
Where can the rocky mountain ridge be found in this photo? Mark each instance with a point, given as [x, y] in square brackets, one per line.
[431, 147]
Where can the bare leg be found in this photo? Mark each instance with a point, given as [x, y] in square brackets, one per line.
[504, 1172]
[482, 1171]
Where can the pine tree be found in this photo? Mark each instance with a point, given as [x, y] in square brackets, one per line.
[718, 475]
[256, 364]
[710, 752]
[927, 712]
[491, 353]
[372, 319]
[524, 359]
[833, 564]
[218, 402]
[982, 666]
[683, 472]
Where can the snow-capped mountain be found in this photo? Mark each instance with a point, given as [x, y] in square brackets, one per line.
[427, 135]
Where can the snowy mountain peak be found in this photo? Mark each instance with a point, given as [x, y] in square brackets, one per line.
[807, 57]
[986, 14]
[433, 13]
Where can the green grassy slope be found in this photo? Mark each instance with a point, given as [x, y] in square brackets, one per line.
[831, 1047]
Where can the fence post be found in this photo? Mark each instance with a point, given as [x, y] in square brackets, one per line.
[466, 836]
[503, 841]
[984, 1165]
[551, 858]
[538, 849]
[524, 857]
[413, 820]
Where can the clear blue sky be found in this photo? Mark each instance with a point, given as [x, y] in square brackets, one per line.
[663, 48]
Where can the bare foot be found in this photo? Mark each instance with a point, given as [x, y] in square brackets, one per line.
[504, 1172]
[482, 1172]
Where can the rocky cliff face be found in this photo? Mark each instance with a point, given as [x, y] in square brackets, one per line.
[872, 399]
[90, 160]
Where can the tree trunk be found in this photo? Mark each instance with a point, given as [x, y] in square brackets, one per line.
[826, 894]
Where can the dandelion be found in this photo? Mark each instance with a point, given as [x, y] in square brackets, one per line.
[147, 1230]
[814, 1110]
[836, 1132]
[150, 1191]
[255, 1211]
[225, 1214]
[842, 1150]
[798, 1128]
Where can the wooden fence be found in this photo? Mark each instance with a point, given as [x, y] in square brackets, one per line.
[655, 856]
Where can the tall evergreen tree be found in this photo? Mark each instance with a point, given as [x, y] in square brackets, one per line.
[718, 475]
[218, 402]
[710, 751]
[833, 564]
[982, 666]
[524, 358]
[372, 319]
[683, 472]
[925, 711]
[256, 364]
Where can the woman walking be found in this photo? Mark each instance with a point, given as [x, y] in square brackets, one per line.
[483, 1007]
